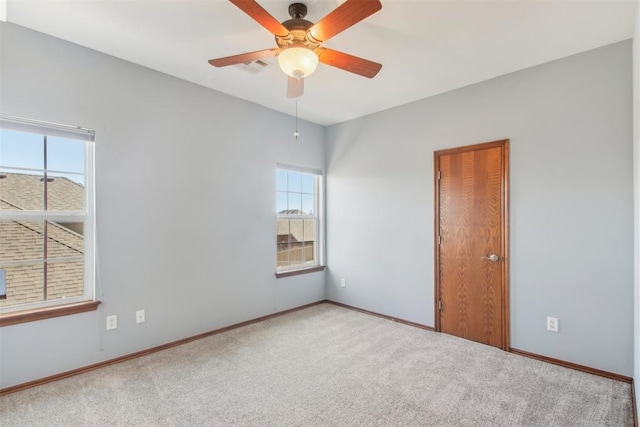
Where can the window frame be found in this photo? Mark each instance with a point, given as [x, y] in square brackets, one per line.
[20, 313]
[3, 283]
[318, 206]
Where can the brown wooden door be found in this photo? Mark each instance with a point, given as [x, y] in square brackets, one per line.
[471, 186]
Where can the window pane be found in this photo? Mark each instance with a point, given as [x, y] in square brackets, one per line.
[295, 203]
[64, 154]
[307, 183]
[21, 241]
[282, 226]
[281, 203]
[309, 241]
[296, 231]
[307, 204]
[24, 283]
[64, 240]
[281, 180]
[21, 191]
[309, 230]
[295, 182]
[21, 149]
[64, 194]
[65, 279]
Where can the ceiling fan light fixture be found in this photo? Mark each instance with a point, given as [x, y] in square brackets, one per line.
[298, 62]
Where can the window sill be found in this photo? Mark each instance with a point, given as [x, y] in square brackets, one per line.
[42, 313]
[299, 272]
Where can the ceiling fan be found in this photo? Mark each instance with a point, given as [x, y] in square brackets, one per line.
[299, 41]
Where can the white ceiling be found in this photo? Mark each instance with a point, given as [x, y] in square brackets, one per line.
[426, 47]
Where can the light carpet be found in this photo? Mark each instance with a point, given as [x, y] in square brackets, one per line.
[326, 366]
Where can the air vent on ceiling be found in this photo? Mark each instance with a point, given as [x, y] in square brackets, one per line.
[253, 67]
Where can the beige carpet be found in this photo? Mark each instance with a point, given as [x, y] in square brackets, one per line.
[326, 366]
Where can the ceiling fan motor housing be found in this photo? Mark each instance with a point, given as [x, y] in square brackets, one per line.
[297, 26]
[298, 34]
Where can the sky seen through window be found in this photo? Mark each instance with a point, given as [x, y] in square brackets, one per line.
[23, 150]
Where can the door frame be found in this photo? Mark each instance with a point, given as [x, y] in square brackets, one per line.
[504, 249]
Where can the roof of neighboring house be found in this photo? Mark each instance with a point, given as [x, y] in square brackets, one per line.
[24, 240]
[292, 212]
[295, 230]
[26, 192]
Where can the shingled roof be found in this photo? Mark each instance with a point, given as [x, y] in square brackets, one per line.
[25, 241]
[26, 192]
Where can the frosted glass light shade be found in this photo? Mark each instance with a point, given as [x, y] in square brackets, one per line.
[298, 61]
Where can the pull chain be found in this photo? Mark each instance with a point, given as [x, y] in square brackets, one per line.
[296, 134]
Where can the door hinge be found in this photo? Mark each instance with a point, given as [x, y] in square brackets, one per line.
[439, 240]
[440, 305]
[438, 174]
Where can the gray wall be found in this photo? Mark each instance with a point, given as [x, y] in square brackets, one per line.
[185, 202]
[570, 126]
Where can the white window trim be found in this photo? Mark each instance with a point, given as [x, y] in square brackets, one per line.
[319, 251]
[87, 217]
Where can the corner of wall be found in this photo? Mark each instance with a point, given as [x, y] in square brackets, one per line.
[636, 180]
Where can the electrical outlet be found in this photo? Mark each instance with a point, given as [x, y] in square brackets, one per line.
[552, 324]
[343, 283]
[112, 322]
[140, 316]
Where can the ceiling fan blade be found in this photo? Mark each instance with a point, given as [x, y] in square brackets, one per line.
[295, 87]
[344, 16]
[243, 57]
[353, 64]
[261, 16]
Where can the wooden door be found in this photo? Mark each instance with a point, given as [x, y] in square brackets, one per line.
[471, 247]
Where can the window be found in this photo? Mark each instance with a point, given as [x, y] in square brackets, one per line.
[298, 223]
[46, 214]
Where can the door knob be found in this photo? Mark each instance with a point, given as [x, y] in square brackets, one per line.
[492, 257]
